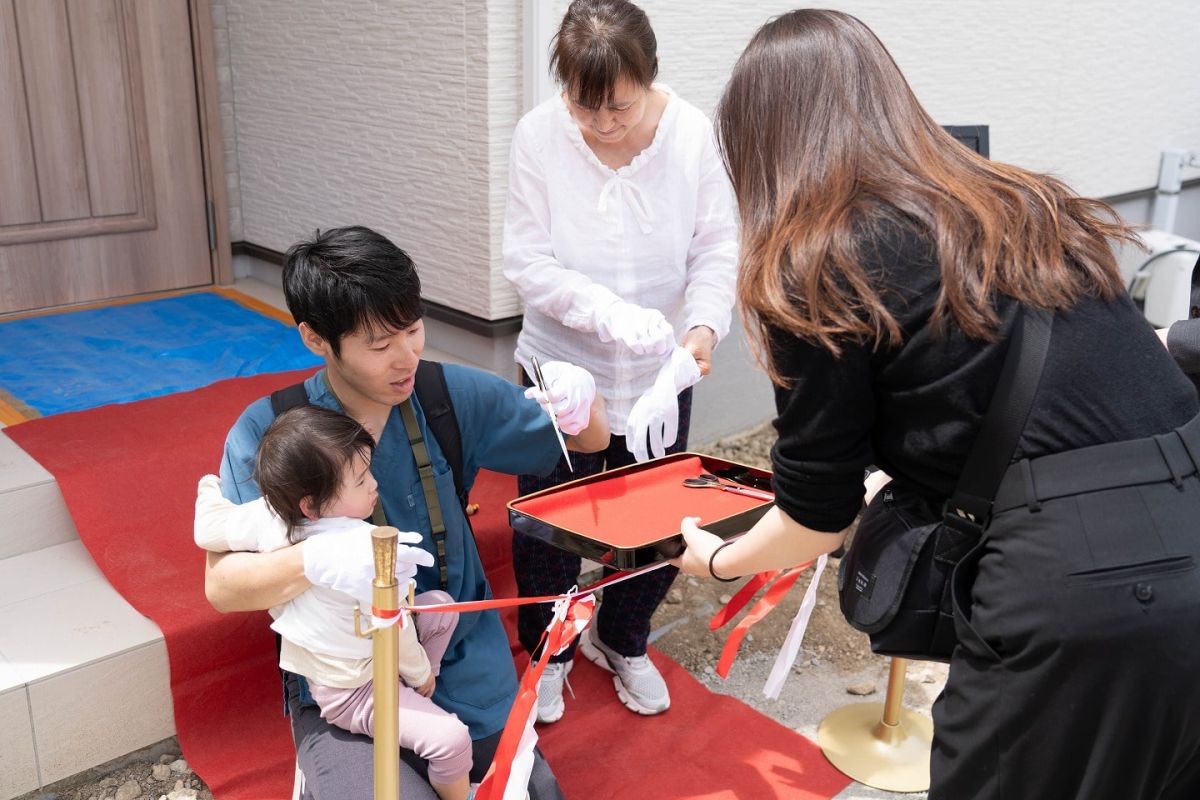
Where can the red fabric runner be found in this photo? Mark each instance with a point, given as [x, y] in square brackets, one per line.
[128, 473]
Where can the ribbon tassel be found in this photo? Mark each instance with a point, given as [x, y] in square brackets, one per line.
[508, 776]
[783, 581]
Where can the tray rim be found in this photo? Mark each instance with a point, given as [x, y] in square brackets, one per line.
[631, 557]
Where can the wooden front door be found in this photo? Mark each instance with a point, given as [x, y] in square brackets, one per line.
[101, 175]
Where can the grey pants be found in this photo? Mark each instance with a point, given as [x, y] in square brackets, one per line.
[339, 765]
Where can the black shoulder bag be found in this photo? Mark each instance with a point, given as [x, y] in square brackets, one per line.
[895, 580]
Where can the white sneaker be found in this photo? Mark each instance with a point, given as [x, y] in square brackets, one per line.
[638, 682]
[550, 705]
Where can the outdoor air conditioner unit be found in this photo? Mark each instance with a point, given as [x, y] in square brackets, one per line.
[1160, 281]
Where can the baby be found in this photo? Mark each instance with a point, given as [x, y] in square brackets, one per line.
[313, 468]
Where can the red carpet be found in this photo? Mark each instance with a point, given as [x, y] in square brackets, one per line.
[128, 473]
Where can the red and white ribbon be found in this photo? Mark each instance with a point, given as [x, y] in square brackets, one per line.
[778, 583]
[508, 776]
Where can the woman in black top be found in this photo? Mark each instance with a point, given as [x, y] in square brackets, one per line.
[882, 266]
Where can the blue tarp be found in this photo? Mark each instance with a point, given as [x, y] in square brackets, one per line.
[82, 359]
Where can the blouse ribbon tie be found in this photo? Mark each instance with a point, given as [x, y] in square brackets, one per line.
[628, 192]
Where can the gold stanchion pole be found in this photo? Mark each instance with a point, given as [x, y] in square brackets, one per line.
[886, 745]
[385, 596]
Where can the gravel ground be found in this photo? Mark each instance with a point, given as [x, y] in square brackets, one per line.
[835, 668]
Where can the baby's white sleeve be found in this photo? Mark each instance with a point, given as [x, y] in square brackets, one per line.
[221, 525]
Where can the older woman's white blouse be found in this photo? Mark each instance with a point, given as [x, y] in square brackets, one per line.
[660, 232]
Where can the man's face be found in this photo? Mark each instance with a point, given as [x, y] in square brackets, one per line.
[377, 365]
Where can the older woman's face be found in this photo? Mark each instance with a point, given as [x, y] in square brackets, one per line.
[613, 121]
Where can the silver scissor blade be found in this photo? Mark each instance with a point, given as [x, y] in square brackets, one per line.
[535, 374]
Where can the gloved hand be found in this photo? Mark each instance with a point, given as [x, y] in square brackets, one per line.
[656, 413]
[570, 391]
[642, 330]
[345, 561]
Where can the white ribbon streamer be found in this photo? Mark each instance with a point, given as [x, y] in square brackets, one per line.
[522, 764]
[791, 645]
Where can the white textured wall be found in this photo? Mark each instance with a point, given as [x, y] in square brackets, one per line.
[228, 124]
[1092, 90]
[398, 114]
[505, 93]
[373, 113]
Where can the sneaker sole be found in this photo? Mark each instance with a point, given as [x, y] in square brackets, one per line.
[593, 654]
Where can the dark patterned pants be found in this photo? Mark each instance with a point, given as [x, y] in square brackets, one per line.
[623, 619]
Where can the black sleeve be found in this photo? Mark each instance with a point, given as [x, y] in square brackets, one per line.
[1183, 342]
[824, 426]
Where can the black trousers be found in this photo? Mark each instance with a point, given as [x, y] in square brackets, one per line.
[339, 765]
[1078, 669]
[623, 618]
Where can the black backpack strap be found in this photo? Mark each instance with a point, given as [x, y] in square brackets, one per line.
[289, 397]
[434, 396]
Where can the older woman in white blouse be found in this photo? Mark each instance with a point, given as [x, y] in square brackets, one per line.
[620, 236]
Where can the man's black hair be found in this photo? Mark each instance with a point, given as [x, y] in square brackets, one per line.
[352, 279]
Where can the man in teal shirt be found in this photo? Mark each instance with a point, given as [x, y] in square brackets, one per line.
[356, 299]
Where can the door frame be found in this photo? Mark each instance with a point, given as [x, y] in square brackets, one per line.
[211, 143]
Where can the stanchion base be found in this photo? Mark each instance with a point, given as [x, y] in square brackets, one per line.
[892, 758]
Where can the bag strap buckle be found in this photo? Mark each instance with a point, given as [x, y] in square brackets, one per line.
[967, 511]
[964, 518]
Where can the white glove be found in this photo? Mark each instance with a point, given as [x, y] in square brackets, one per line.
[570, 391]
[642, 330]
[345, 561]
[656, 413]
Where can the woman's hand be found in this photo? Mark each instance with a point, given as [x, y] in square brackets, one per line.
[700, 341]
[700, 546]
[654, 418]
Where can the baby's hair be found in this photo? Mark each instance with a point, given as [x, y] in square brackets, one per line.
[302, 455]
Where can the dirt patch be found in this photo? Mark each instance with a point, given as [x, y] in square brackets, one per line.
[682, 621]
[685, 635]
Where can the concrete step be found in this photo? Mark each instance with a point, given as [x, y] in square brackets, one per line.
[31, 504]
[83, 676]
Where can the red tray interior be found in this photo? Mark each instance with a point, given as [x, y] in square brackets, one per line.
[631, 510]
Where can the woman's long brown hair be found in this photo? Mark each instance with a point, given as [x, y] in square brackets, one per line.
[824, 140]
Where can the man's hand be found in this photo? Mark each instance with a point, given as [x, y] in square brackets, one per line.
[345, 561]
[570, 391]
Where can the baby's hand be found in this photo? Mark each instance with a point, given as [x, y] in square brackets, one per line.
[426, 690]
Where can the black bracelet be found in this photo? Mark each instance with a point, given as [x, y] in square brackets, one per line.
[713, 558]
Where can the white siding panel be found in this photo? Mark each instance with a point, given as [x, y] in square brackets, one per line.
[399, 114]
[1092, 90]
[351, 112]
